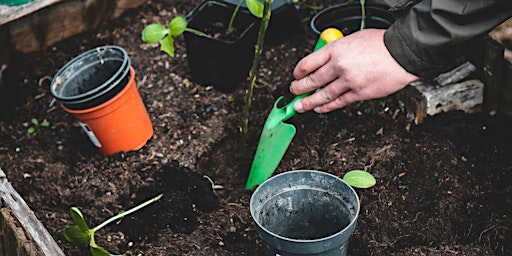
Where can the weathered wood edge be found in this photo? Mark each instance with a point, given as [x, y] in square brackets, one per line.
[42, 23]
[11, 13]
[482, 92]
[27, 223]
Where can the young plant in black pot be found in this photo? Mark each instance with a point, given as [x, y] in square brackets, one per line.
[219, 38]
[223, 62]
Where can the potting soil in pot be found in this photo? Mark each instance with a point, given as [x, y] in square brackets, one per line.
[313, 215]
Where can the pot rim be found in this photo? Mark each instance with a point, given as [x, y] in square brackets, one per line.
[347, 6]
[197, 9]
[350, 225]
[106, 86]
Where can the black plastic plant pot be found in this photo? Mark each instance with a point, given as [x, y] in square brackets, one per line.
[214, 60]
[347, 17]
[284, 19]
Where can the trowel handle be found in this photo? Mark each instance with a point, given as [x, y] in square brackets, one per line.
[327, 36]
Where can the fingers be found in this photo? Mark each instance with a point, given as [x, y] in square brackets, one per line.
[330, 93]
[310, 63]
[341, 101]
[314, 80]
[306, 84]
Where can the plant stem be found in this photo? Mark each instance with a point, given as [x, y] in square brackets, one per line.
[195, 31]
[234, 14]
[363, 15]
[122, 214]
[254, 69]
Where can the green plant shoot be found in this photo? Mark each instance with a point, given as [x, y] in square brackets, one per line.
[158, 33]
[254, 68]
[255, 8]
[36, 124]
[359, 179]
[363, 15]
[81, 234]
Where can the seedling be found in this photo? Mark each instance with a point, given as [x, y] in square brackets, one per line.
[158, 33]
[81, 234]
[363, 15]
[36, 124]
[359, 179]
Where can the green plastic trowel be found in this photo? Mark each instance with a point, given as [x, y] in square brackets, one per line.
[276, 135]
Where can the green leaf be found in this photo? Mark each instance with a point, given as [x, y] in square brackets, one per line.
[99, 251]
[78, 218]
[34, 121]
[359, 179]
[45, 123]
[31, 130]
[255, 7]
[154, 33]
[168, 45]
[74, 234]
[177, 26]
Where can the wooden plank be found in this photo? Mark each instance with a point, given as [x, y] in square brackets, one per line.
[123, 5]
[21, 226]
[442, 94]
[414, 103]
[63, 19]
[481, 94]
[11, 13]
[13, 240]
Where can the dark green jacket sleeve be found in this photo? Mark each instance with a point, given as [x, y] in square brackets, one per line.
[431, 34]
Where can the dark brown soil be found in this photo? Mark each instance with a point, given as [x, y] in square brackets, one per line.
[443, 187]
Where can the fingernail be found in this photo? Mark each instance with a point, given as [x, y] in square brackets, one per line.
[290, 89]
[298, 106]
[317, 109]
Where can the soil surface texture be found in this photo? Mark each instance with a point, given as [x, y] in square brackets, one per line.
[444, 187]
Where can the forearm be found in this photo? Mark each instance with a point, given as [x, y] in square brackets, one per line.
[431, 34]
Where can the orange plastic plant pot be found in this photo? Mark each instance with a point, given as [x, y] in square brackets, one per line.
[120, 124]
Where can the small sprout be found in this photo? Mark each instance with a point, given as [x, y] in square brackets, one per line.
[81, 234]
[155, 33]
[359, 179]
[36, 124]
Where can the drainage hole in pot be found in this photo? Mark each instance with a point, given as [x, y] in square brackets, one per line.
[305, 214]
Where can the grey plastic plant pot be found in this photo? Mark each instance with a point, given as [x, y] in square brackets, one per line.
[221, 63]
[347, 17]
[305, 212]
[92, 78]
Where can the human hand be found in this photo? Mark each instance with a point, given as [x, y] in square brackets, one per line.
[354, 68]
